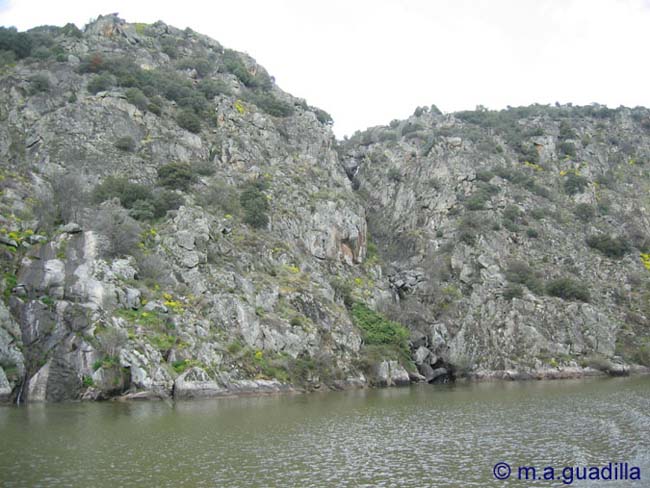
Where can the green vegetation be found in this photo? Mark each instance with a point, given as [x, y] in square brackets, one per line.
[189, 121]
[480, 197]
[135, 97]
[183, 365]
[377, 330]
[574, 183]
[125, 143]
[176, 176]
[532, 233]
[270, 104]
[121, 188]
[234, 64]
[202, 66]
[584, 212]
[39, 84]
[255, 204]
[10, 282]
[568, 289]
[612, 247]
[142, 202]
[212, 88]
[19, 43]
[567, 149]
[99, 83]
[513, 291]
[520, 273]
[469, 228]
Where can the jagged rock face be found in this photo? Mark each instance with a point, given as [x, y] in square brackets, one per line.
[477, 212]
[200, 286]
[172, 223]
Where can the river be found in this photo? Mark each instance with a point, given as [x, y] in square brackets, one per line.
[419, 436]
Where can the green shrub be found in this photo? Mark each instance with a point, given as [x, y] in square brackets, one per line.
[575, 184]
[41, 52]
[203, 168]
[532, 233]
[566, 131]
[220, 195]
[568, 289]
[39, 84]
[121, 188]
[512, 213]
[255, 204]
[189, 121]
[322, 116]
[101, 82]
[378, 330]
[135, 97]
[479, 198]
[71, 30]
[233, 63]
[469, 228]
[142, 210]
[212, 88]
[611, 247]
[7, 58]
[121, 232]
[513, 291]
[584, 212]
[520, 273]
[19, 43]
[10, 282]
[484, 175]
[195, 101]
[567, 149]
[203, 66]
[527, 152]
[343, 291]
[270, 104]
[125, 143]
[176, 176]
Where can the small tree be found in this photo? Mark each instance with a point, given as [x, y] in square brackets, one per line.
[112, 340]
[125, 143]
[101, 82]
[39, 84]
[189, 121]
[121, 232]
[135, 97]
[255, 204]
[69, 197]
[177, 176]
[567, 289]
[575, 184]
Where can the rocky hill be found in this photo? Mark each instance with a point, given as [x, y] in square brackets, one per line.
[173, 223]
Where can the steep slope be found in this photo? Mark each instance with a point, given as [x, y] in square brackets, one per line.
[184, 216]
[519, 236]
[175, 224]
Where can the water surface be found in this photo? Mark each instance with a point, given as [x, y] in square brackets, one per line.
[421, 436]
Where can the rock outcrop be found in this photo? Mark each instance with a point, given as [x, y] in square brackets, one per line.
[174, 224]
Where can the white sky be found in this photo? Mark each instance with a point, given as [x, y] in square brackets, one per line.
[369, 61]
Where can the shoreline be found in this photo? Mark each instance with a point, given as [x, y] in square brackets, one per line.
[260, 388]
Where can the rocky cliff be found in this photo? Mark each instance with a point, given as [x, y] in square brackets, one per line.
[173, 223]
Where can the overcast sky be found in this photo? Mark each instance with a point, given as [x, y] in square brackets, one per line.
[369, 61]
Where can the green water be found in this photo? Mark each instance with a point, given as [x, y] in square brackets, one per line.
[422, 436]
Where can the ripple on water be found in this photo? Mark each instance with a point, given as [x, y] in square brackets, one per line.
[420, 436]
